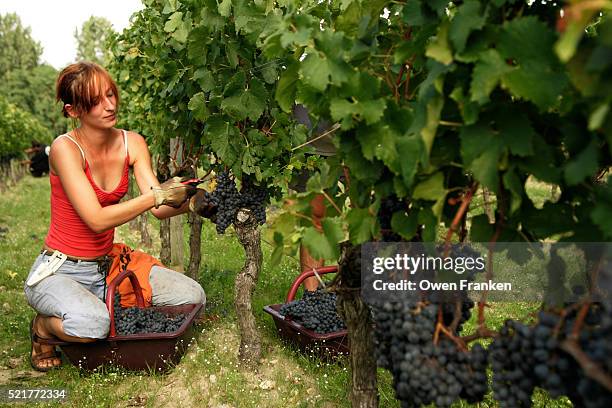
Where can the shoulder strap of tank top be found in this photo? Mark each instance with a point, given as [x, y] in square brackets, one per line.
[125, 141]
[75, 142]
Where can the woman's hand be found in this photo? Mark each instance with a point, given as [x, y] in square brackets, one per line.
[172, 192]
[200, 205]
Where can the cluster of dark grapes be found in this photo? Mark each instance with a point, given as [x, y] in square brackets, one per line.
[315, 311]
[255, 198]
[135, 320]
[228, 201]
[524, 357]
[427, 372]
[423, 372]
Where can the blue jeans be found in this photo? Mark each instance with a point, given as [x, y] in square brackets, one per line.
[75, 294]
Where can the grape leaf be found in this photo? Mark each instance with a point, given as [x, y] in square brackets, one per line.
[362, 225]
[225, 8]
[467, 19]
[487, 73]
[582, 166]
[197, 104]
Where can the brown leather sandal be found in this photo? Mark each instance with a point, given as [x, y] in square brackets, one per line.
[35, 360]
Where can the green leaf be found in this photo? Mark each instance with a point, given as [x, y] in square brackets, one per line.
[430, 189]
[225, 8]
[433, 109]
[315, 71]
[538, 76]
[410, 150]
[319, 70]
[439, 48]
[231, 50]
[602, 217]
[405, 225]
[513, 183]
[598, 116]
[487, 73]
[334, 233]
[517, 132]
[205, 79]
[467, 19]
[197, 104]
[173, 22]
[481, 230]
[585, 164]
[248, 162]
[362, 225]
[430, 224]
[286, 88]
[537, 83]
[484, 168]
[218, 134]
[253, 105]
[412, 14]
[343, 110]
[512, 44]
[317, 245]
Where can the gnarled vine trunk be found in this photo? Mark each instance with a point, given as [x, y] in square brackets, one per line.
[356, 315]
[247, 230]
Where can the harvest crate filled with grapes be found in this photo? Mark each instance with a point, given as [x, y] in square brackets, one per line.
[445, 164]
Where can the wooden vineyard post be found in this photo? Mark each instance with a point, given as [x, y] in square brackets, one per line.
[248, 233]
[356, 315]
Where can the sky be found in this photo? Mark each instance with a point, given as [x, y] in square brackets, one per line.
[53, 22]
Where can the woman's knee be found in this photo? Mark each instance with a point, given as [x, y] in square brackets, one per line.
[91, 324]
[173, 288]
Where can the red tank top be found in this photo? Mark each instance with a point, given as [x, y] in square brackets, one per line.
[68, 233]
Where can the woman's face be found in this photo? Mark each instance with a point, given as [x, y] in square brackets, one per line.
[104, 114]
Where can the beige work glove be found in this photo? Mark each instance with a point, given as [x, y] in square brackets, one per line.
[202, 205]
[173, 192]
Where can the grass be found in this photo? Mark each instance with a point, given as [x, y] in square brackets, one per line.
[209, 375]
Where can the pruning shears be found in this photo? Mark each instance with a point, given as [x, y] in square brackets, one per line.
[193, 182]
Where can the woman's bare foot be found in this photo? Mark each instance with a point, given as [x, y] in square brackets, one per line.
[43, 356]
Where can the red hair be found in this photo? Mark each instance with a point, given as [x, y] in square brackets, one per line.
[82, 85]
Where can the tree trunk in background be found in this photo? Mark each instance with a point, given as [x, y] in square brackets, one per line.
[247, 229]
[356, 316]
[145, 235]
[164, 235]
[177, 247]
[163, 174]
[134, 223]
[195, 241]
[195, 244]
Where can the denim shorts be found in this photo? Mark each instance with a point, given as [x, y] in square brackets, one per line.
[75, 293]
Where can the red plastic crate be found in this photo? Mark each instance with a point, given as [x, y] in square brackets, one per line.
[324, 345]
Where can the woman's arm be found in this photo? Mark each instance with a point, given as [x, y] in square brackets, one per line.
[66, 162]
[143, 172]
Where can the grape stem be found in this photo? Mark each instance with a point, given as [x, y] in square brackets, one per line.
[465, 203]
[440, 328]
[591, 369]
[331, 130]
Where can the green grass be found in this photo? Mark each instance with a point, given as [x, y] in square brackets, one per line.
[209, 374]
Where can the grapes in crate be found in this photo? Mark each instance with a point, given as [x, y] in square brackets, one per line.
[135, 320]
[316, 311]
